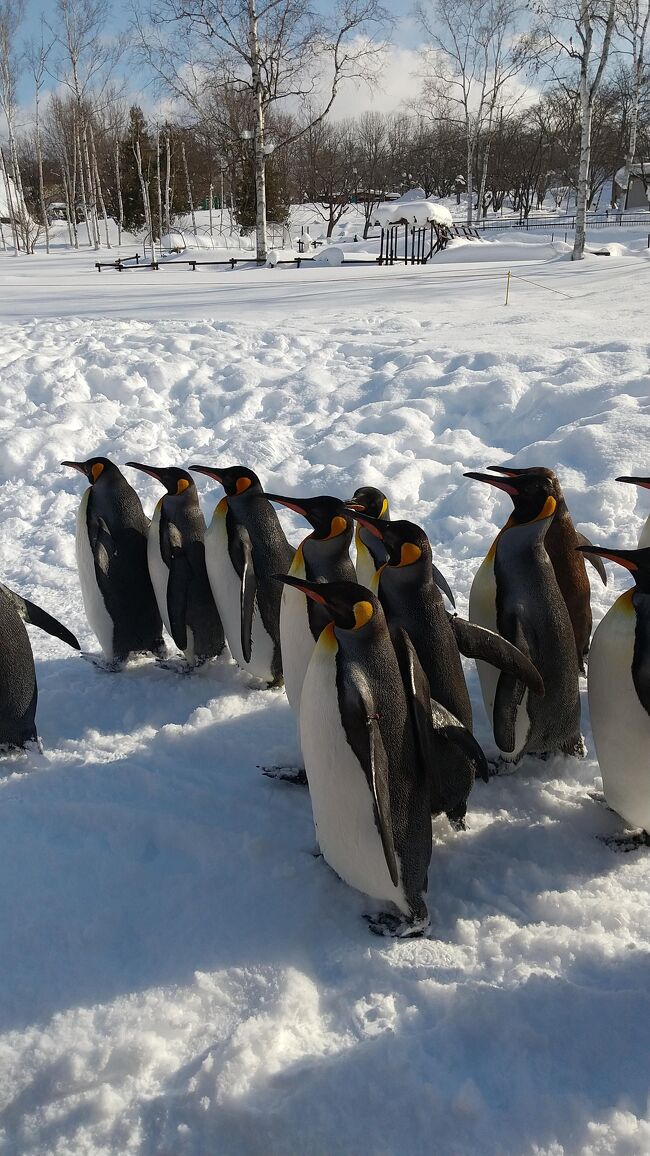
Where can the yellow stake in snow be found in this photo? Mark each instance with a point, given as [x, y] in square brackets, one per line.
[507, 288]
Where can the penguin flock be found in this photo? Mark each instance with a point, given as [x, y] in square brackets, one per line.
[368, 652]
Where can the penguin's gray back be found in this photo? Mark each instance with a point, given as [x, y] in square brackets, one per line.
[116, 585]
[532, 614]
[180, 530]
[417, 608]
[18, 693]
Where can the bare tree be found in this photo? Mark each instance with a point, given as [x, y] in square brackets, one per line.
[88, 59]
[472, 54]
[37, 55]
[273, 51]
[11, 16]
[577, 34]
[634, 21]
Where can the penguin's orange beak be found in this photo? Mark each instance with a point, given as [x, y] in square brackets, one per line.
[645, 482]
[500, 483]
[209, 473]
[290, 503]
[80, 466]
[372, 524]
[308, 588]
[626, 558]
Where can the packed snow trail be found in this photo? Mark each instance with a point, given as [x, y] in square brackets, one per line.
[180, 974]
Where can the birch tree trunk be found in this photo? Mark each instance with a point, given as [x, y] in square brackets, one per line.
[146, 202]
[258, 139]
[92, 199]
[190, 195]
[80, 173]
[159, 188]
[10, 207]
[583, 172]
[98, 187]
[168, 167]
[118, 182]
[639, 33]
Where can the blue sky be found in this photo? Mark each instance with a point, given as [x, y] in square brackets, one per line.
[397, 78]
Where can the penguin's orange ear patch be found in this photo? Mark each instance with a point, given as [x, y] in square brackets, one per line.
[183, 484]
[339, 525]
[96, 470]
[242, 484]
[547, 510]
[410, 553]
[363, 612]
[384, 508]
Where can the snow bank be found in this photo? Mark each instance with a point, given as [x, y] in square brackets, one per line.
[180, 974]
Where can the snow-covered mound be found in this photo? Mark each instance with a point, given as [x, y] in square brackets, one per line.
[418, 213]
[179, 974]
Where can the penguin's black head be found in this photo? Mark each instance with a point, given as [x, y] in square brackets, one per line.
[636, 561]
[532, 494]
[368, 500]
[175, 481]
[350, 606]
[95, 468]
[405, 542]
[235, 480]
[328, 516]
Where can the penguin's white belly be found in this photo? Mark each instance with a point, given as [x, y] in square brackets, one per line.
[620, 725]
[644, 536]
[483, 612]
[158, 571]
[98, 617]
[226, 591]
[296, 638]
[364, 565]
[341, 799]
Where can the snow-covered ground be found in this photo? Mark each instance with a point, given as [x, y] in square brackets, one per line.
[180, 976]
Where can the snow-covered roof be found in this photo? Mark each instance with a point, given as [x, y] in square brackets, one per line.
[418, 213]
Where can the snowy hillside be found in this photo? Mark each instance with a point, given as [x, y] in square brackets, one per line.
[180, 976]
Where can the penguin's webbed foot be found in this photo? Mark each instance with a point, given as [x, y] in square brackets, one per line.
[110, 667]
[576, 749]
[626, 843]
[500, 766]
[295, 775]
[398, 927]
[599, 798]
[178, 665]
[457, 822]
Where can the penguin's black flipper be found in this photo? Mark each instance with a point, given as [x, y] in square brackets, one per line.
[641, 655]
[33, 614]
[476, 642]
[508, 697]
[241, 552]
[442, 583]
[180, 574]
[367, 743]
[418, 696]
[101, 542]
[452, 731]
[596, 561]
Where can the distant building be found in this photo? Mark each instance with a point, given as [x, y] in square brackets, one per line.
[637, 194]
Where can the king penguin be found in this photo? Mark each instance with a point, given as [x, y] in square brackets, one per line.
[323, 556]
[644, 536]
[245, 546]
[618, 682]
[367, 746]
[371, 553]
[561, 542]
[18, 689]
[176, 556]
[413, 606]
[515, 592]
[111, 547]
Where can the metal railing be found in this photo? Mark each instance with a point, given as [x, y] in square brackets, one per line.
[566, 221]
